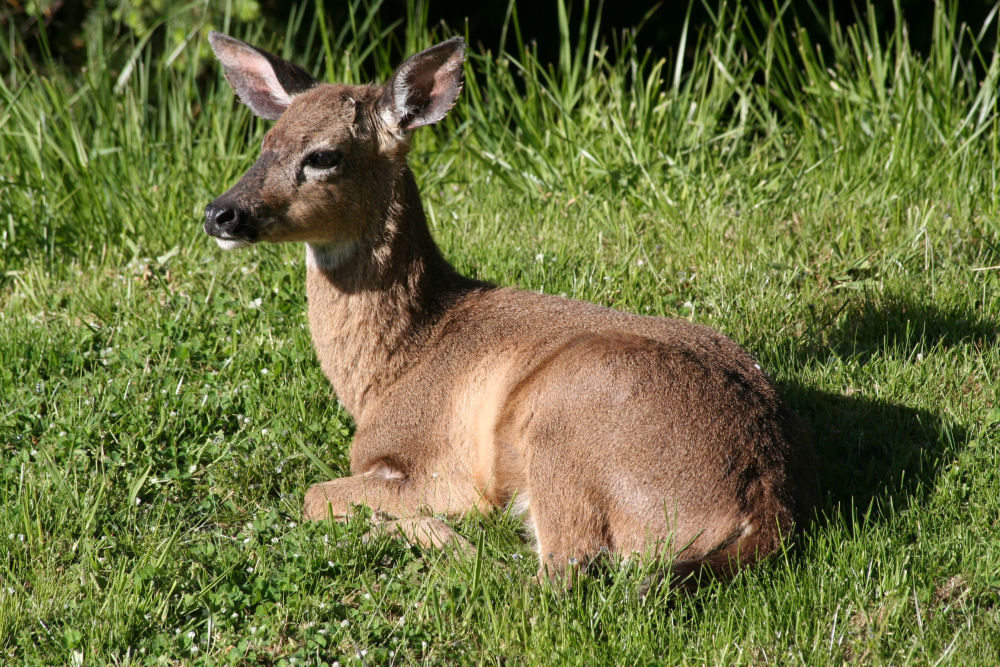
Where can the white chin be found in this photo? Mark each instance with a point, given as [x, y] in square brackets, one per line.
[231, 244]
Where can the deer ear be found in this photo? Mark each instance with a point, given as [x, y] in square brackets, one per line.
[424, 88]
[262, 80]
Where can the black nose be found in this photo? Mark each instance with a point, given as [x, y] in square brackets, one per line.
[221, 220]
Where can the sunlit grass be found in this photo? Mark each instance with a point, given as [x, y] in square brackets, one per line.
[828, 200]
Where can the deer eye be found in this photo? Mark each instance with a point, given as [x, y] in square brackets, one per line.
[324, 159]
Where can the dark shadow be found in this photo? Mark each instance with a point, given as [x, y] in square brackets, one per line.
[865, 324]
[873, 453]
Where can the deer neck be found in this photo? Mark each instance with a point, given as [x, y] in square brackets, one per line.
[372, 306]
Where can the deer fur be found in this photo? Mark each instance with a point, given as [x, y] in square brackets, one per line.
[609, 431]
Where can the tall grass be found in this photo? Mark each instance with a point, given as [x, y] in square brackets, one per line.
[827, 198]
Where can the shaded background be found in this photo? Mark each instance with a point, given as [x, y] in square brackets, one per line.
[68, 24]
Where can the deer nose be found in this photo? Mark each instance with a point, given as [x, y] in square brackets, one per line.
[221, 220]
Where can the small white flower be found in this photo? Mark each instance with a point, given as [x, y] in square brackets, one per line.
[540, 257]
[344, 623]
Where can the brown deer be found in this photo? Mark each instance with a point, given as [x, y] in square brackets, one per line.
[610, 432]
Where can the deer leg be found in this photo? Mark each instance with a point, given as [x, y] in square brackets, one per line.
[571, 529]
[427, 531]
[401, 505]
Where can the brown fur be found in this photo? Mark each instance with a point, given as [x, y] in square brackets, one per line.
[611, 431]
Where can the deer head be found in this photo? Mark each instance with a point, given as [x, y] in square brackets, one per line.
[328, 173]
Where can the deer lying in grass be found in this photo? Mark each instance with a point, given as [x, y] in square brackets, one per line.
[611, 432]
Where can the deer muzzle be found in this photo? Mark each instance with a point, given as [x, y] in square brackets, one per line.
[235, 217]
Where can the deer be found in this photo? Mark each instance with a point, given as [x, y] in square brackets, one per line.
[608, 432]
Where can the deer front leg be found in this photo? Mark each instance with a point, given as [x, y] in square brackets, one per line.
[401, 503]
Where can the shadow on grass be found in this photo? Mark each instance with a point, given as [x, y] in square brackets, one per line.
[874, 452]
[866, 324]
[871, 452]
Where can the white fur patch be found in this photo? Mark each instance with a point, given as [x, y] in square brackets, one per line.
[521, 506]
[231, 244]
[328, 256]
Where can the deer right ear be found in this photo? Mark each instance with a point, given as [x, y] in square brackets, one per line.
[262, 80]
[424, 88]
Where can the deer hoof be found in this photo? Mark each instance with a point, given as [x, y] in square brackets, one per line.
[427, 532]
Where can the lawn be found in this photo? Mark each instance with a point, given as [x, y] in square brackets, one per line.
[829, 200]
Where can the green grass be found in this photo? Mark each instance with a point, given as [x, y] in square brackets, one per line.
[830, 205]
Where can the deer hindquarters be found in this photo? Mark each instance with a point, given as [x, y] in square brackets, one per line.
[632, 444]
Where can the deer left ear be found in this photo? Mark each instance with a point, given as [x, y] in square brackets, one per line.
[263, 81]
[424, 88]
